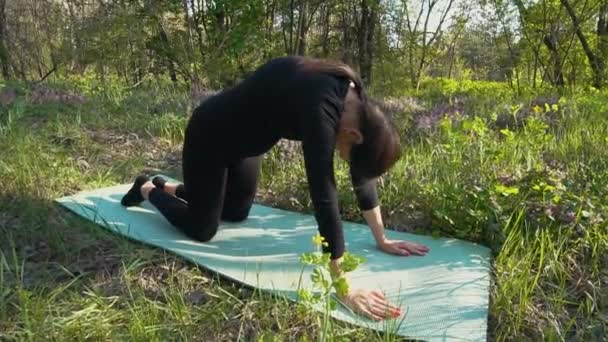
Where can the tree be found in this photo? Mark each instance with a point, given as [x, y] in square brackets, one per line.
[369, 10]
[419, 39]
[4, 55]
[595, 58]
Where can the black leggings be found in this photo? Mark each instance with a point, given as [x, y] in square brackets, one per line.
[211, 192]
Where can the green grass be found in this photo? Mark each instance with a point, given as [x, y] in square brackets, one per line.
[535, 194]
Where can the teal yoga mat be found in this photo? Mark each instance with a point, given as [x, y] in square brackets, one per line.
[444, 294]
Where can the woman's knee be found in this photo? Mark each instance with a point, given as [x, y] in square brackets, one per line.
[202, 233]
[200, 228]
[235, 215]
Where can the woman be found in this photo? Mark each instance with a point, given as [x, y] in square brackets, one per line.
[320, 103]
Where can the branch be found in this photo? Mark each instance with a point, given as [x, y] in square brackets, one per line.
[312, 14]
[443, 17]
[579, 33]
[536, 46]
[47, 75]
[406, 11]
[426, 22]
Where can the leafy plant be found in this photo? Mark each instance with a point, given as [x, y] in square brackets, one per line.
[325, 281]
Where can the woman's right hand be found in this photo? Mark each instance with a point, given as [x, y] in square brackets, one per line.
[371, 304]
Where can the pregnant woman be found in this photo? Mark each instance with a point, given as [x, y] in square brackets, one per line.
[320, 103]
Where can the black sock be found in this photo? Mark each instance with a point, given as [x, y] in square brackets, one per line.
[133, 196]
[159, 182]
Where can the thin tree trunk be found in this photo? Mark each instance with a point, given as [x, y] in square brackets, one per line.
[412, 31]
[508, 37]
[4, 54]
[191, 64]
[535, 70]
[301, 38]
[197, 26]
[169, 58]
[346, 44]
[220, 20]
[22, 72]
[291, 9]
[270, 13]
[369, 10]
[557, 78]
[536, 46]
[602, 31]
[325, 30]
[370, 45]
[364, 27]
[597, 65]
[426, 44]
[75, 38]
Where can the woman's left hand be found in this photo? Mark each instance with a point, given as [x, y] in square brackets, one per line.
[404, 248]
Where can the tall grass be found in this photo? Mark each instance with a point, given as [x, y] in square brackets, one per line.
[534, 190]
[530, 184]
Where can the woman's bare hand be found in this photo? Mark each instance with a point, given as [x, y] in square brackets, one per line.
[371, 304]
[404, 248]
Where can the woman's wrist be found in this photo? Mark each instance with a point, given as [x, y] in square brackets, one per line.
[381, 241]
[373, 218]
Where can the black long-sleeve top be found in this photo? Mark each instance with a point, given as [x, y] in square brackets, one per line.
[280, 100]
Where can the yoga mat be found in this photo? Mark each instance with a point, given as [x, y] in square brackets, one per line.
[444, 294]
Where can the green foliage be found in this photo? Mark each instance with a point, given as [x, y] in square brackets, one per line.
[535, 186]
[441, 88]
[326, 280]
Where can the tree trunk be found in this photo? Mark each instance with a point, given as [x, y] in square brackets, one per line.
[535, 70]
[325, 30]
[558, 76]
[221, 23]
[602, 32]
[191, 63]
[452, 57]
[4, 55]
[270, 17]
[291, 16]
[22, 73]
[75, 38]
[168, 56]
[536, 44]
[302, 19]
[366, 38]
[196, 17]
[428, 43]
[346, 37]
[597, 65]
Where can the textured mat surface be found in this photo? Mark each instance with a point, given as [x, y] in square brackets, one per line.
[444, 294]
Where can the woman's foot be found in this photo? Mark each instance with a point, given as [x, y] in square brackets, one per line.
[133, 196]
[159, 182]
[170, 188]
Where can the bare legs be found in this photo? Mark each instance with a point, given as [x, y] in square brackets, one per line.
[145, 190]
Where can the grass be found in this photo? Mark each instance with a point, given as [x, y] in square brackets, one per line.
[535, 192]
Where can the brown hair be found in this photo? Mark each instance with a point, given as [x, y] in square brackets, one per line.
[381, 146]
